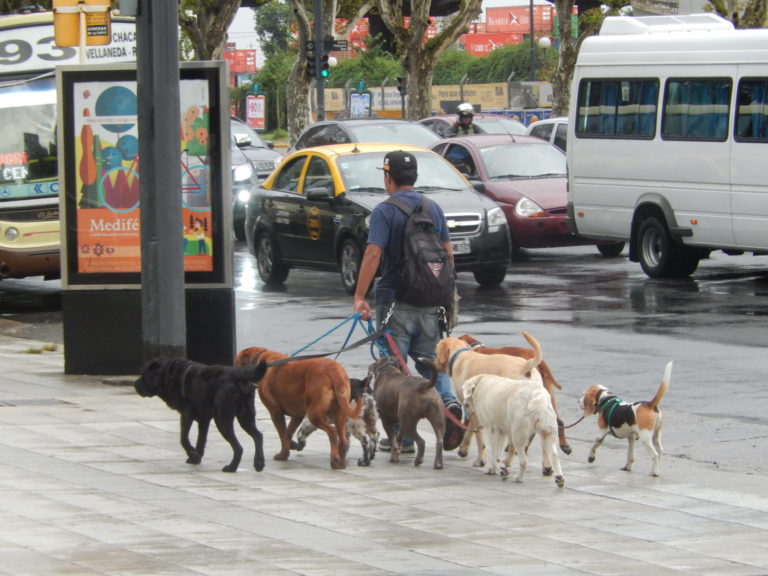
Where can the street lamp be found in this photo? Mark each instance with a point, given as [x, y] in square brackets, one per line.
[532, 56]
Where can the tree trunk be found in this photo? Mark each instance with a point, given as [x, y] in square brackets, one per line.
[561, 82]
[297, 100]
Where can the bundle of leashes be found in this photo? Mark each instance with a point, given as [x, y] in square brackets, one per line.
[378, 339]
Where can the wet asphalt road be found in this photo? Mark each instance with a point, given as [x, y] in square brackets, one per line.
[598, 320]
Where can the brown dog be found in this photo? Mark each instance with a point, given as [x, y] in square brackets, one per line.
[317, 388]
[402, 401]
[633, 421]
[546, 375]
[460, 362]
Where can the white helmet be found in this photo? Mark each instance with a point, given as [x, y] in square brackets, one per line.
[465, 109]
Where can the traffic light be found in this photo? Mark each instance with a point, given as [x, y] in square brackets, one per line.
[309, 51]
[325, 67]
[402, 85]
[311, 64]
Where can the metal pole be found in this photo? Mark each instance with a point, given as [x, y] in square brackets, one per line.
[319, 51]
[532, 57]
[164, 328]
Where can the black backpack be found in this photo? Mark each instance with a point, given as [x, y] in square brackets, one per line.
[426, 276]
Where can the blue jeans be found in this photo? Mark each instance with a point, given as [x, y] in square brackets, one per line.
[416, 332]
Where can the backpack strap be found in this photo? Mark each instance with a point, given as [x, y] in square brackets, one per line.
[405, 207]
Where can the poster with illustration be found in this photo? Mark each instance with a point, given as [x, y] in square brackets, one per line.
[108, 177]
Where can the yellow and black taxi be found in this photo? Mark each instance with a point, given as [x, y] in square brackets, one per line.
[312, 212]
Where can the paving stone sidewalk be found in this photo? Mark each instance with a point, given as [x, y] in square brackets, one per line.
[93, 481]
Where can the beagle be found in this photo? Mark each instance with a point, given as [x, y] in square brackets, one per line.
[638, 420]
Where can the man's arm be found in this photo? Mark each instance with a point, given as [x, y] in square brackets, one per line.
[368, 267]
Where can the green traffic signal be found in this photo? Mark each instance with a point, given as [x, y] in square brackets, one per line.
[325, 67]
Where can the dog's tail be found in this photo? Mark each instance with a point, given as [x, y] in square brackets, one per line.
[432, 382]
[250, 374]
[536, 360]
[343, 400]
[663, 386]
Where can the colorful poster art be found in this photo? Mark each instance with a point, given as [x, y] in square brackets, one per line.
[108, 177]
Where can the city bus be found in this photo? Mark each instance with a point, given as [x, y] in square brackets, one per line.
[29, 186]
[668, 138]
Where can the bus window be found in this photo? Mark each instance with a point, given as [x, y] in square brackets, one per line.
[28, 155]
[752, 112]
[696, 109]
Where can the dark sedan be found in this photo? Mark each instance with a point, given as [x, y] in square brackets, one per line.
[526, 176]
[312, 212]
[384, 130]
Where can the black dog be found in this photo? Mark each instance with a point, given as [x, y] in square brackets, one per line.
[201, 393]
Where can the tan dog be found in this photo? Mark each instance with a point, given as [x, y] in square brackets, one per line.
[460, 362]
[546, 375]
[317, 388]
[514, 411]
[638, 420]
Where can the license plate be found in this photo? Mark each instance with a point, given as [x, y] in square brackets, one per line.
[461, 246]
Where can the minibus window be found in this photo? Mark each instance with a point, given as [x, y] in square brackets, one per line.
[752, 111]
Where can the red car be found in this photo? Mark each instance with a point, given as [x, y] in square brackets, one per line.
[526, 176]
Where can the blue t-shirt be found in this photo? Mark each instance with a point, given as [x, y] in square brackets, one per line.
[386, 230]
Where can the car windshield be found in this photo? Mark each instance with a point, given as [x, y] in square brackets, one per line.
[500, 126]
[395, 132]
[361, 173]
[240, 131]
[513, 161]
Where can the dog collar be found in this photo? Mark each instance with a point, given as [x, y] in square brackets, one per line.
[453, 358]
[476, 344]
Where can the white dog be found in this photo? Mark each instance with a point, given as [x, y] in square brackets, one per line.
[513, 411]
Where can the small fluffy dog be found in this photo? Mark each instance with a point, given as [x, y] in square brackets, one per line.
[203, 393]
[404, 400]
[460, 362]
[514, 411]
[638, 420]
[363, 428]
[317, 388]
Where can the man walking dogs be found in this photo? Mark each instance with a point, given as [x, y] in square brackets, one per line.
[415, 329]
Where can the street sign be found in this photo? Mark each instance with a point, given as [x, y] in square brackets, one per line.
[335, 45]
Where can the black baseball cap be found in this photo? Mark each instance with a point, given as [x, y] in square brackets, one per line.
[399, 163]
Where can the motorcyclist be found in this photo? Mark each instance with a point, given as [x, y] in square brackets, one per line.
[465, 114]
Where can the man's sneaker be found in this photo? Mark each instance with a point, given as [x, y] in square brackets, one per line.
[454, 432]
[385, 446]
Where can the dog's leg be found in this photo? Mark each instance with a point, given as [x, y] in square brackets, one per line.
[595, 446]
[358, 430]
[226, 426]
[497, 440]
[648, 440]
[305, 430]
[438, 426]
[278, 419]
[420, 446]
[521, 441]
[657, 444]
[185, 427]
[630, 453]
[549, 448]
[247, 419]
[335, 436]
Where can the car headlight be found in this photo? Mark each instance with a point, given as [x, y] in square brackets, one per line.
[496, 219]
[242, 172]
[527, 208]
[243, 196]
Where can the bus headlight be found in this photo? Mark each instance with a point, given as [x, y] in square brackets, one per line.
[496, 219]
[11, 234]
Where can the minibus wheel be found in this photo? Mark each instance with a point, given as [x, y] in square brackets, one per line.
[655, 248]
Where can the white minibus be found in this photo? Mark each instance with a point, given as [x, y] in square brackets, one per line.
[668, 140]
